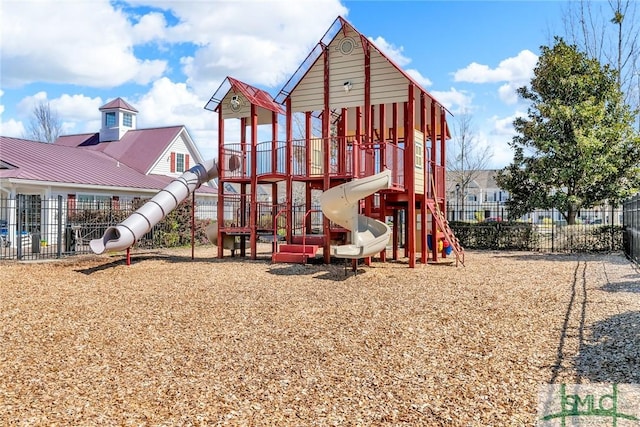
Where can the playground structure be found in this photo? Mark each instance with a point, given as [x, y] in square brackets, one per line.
[369, 150]
[379, 159]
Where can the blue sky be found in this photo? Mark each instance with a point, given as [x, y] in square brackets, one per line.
[167, 57]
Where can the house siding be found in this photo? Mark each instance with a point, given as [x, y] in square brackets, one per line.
[163, 166]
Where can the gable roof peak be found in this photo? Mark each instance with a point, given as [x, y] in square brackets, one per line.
[118, 103]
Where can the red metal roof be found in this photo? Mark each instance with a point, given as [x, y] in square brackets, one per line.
[118, 103]
[38, 161]
[68, 164]
[138, 149]
[255, 96]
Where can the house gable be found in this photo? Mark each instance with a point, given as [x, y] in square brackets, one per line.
[177, 157]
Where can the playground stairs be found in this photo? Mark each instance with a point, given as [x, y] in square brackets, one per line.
[443, 225]
[294, 253]
[309, 239]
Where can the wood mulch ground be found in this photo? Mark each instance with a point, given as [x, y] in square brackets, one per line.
[174, 341]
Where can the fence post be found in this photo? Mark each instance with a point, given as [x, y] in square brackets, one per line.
[553, 229]
[59, 240]
[18, 235]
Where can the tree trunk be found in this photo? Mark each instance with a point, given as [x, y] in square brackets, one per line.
[571, 215]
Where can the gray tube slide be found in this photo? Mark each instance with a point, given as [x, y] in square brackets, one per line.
[125, 234]
[340, 204]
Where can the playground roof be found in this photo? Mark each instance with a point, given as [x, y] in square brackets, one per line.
[254, 95]
[340, 24]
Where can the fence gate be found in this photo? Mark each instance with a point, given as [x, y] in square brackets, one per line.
[631, 221]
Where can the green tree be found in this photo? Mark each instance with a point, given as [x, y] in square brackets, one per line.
[577, 147]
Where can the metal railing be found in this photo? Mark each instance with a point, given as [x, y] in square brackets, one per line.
[34, 228]
[308, 159]
[488, 225]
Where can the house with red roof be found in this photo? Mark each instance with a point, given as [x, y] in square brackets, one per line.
[113, 166]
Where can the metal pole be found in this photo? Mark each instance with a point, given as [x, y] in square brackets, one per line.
[457, 216]
[59, 250]
[18, 235]
[193, 224]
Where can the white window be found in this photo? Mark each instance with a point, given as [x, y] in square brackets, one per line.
[179, 162]
[419, 156]
[127, 119]
[110, 119]
[90, 201]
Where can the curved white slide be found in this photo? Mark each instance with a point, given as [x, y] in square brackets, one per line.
[125, 234]
[340, 204]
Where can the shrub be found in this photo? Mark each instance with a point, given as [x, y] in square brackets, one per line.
[527, 236]
[496, 235]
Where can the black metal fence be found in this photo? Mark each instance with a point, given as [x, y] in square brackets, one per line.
[631, 223]
[489, 226]
[33, 228]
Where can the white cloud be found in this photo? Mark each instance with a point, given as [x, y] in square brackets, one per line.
[151, 26]
[27, 104]
[391, 51]
[519, 68]
[500, 133]
[12, 128]
[454, 100]
[504, 125]
[84, 43]
[78, 113]
[419, 78]
[258, 42]
[169, 104]
[514, 72]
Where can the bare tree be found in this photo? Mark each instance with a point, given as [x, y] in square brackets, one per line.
[44, 126]
[587, 24]
[466, 158]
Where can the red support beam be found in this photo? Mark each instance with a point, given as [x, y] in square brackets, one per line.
[243, 145]
[382, 125]
[221, 167]
[342, 159]
[308, 133]
[383, 218]
[409, 127]
[253, 205]
[432, 180]
[394, 141]
[368, 128]
[243, 215]
[289, 181]
[396, 228]
[326, 122]
[443, 151]
[274, 142]
[423, 207]
[356, 143]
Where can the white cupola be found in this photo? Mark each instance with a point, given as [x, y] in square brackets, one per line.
[117, 118]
